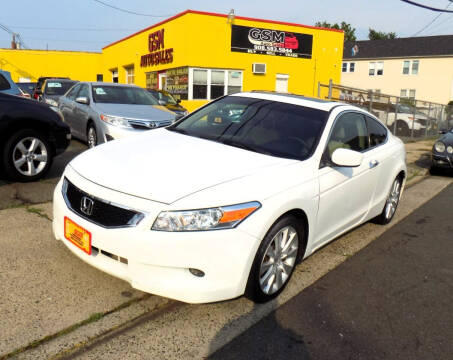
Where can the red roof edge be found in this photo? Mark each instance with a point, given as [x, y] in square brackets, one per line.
[220, 15]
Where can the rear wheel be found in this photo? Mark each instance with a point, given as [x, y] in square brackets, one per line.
[391, 204]
[275, 259]
[27, 156]
[402, 129]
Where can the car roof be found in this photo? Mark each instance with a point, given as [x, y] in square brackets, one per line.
[99, 83]
[292, 99]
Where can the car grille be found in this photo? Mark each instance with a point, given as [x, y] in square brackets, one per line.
[100, 212]
[147, 125]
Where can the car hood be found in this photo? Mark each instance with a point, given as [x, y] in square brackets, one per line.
[166, 166]
[447, 138]
[145, 112]
[177, 107]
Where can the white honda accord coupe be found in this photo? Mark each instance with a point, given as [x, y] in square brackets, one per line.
[229, 199]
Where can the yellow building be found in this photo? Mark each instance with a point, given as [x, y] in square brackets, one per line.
[200, 56]
[29, 65]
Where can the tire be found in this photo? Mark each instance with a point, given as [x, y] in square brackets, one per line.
[263, 283]
[92, 136]
[434, 170]
[27, 156]
[402, 129]
[391, 204]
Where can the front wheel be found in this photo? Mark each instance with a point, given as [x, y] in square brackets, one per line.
[391, 203]
[92, 136]
[27, 156]
[275, 260]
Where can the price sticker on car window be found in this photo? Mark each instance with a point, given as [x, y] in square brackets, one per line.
[54, 85]
[100, 91]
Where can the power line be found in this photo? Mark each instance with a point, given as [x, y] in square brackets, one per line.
[442, 22]
[432, 21]
[128, 11]
[422, 6]
[69, 29]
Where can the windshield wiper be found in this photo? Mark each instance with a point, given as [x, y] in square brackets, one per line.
[244, 146]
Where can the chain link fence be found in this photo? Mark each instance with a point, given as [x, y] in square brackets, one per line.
[407, 118]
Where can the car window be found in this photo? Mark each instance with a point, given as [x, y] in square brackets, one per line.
[269, 127]
[84, 91]
[377, 132]
[55, 87]
[122, 95]
[349, 132]
[4, 84]
[73, 92]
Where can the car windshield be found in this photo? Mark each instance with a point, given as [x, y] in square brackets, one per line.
[163, 96]
[56, 87]
[268, 127]
[122, 95]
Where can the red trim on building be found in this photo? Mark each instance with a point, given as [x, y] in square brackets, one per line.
[219, 15]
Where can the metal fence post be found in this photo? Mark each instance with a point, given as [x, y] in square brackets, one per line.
[319, 89]
[396, 116]
[330, 89]
[388, 110]
[371, 101]
[413, 119]
[428, 121]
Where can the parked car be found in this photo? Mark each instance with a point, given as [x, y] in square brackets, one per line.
[27, 87]
[31, 134]
[53, 89]
[7, 85]
[38, 89]
[99, 112]
[229, 199]
[442, 152]
[166, 99]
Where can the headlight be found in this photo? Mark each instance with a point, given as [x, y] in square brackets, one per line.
[439, 146]
[115, 120]
[51, 102]
[450, 150]
[225, 217]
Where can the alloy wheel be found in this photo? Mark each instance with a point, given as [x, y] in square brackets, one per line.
[279, 260]
[30, 156]
[92, 137]
[393, 199]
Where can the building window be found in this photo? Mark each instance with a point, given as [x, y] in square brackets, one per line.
[207, 84]
[114, 75]
[415, 67]
[200, 84]
[99, 77]
[408, 94]
[130, 74]
[380, 68]
[410, 67]
[372, 68]
[151, 80]
[217, 83]
[348, 67]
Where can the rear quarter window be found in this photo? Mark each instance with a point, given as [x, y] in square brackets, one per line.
[377, 132]
[4, 84]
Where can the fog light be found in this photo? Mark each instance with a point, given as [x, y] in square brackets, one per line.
[196, 272]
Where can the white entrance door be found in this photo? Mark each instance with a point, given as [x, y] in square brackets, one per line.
[163, 81]
[281, 83]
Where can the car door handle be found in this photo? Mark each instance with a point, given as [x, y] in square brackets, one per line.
[373, 163]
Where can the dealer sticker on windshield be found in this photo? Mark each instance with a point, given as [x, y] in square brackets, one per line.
[77, 235]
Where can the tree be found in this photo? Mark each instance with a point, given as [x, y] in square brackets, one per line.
[349, 31]
[380, 35]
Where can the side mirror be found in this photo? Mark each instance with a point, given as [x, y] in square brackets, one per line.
[347, 158]
[162, 102]
[442, 131]
[178, 101]
[83, 100]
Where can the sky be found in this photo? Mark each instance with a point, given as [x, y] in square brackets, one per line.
[89, 25]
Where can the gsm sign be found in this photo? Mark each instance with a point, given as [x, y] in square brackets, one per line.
[156, 40]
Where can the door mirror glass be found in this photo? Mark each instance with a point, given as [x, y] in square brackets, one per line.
[83, 100]
[347, 158]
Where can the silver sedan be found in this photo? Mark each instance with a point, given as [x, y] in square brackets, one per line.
[99, 112]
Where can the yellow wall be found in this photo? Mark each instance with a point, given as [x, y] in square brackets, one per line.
[201, 40]
[32, 64]
[434, 81]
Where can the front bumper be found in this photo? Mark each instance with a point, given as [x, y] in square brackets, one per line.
[442, 161]
[159, 262]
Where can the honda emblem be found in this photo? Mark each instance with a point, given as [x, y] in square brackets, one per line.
[86, 205]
